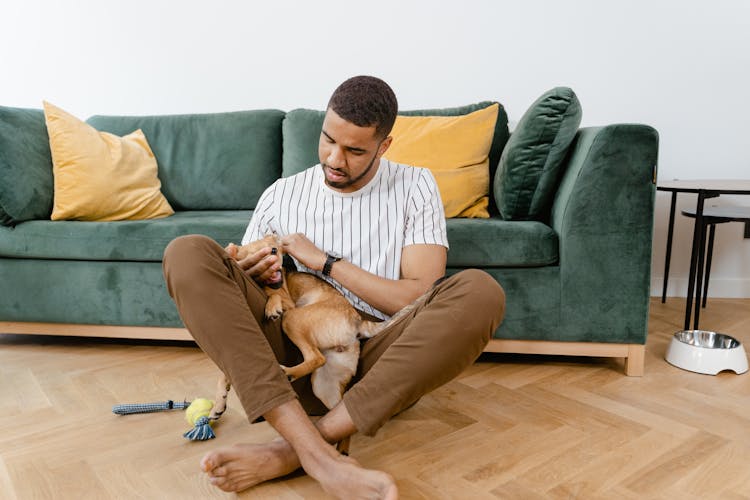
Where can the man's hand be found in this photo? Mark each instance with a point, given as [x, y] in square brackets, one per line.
[301, 248]
[260, 266]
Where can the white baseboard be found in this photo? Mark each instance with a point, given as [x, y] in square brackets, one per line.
[717, 288]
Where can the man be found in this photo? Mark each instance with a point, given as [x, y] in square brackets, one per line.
[376, 231]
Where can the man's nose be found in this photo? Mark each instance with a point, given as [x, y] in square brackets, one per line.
[336, 157]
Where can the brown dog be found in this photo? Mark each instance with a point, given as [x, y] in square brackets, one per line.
[318, 320]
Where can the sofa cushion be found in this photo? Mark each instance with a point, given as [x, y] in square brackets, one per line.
[101, 176]
[142, 240]
[219, 161]
[301, 130]
[499, 243]
[473, 242]
[531, 163]
[25, 166]
[86, 292]
[455, 149]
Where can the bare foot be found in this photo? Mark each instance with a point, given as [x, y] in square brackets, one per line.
[241, 466]
[344, 478]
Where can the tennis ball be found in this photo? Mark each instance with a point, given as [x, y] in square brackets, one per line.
[200, 407]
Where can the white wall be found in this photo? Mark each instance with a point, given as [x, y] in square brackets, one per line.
[682, 67]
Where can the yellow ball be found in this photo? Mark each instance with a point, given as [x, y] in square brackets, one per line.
[200, 407]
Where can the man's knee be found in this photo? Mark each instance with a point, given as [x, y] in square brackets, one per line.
[485, 296]
[183, 247]
[182, 255]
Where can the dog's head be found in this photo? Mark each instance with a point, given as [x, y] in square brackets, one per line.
[269, 241]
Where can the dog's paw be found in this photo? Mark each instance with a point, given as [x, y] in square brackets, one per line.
[273, 313]
[288, 372]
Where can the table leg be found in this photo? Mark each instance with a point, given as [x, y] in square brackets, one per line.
[709, 257]
[694, 256]
[670, 232]
[699, 273]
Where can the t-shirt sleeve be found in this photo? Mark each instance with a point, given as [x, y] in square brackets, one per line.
[425, 222]
[262, 221]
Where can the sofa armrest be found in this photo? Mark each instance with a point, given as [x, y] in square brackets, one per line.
[603, 214]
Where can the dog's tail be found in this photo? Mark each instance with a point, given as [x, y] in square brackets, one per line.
[368, 329]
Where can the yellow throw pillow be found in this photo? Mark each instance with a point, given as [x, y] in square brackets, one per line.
[456, 149]
[99, 176]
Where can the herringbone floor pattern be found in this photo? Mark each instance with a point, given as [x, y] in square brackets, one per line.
[511, 426]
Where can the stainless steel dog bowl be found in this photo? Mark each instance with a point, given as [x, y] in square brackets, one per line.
[706, 352]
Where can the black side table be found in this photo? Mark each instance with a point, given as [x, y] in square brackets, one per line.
[706, 188]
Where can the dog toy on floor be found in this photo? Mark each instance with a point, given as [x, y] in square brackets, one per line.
[197, 413]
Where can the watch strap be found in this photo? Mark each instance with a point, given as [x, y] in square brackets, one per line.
[330, 260]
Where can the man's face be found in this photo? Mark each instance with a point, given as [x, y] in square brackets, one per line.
[349, 154]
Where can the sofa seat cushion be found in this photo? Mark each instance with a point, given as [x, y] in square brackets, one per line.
[499, 243]
[474, 242]
[140, 240]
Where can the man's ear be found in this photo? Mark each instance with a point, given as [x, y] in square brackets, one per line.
[384, 145]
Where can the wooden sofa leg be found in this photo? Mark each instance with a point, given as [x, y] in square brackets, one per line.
[635, 360]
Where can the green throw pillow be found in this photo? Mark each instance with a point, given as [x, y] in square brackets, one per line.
[530, 165]
[26, 186]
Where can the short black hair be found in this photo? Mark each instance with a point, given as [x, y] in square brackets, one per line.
[366, 101]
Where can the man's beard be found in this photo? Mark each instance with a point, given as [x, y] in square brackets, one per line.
[350, 182]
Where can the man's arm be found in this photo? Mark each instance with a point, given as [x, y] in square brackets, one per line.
[421, 266]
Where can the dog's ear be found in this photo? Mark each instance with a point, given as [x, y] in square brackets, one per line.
[270, 233]
[277, 239]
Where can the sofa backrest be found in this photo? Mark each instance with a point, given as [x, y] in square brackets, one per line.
[217, 161]
[209, 161]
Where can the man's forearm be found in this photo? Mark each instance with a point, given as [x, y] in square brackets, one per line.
[386, 295]
[421, 266]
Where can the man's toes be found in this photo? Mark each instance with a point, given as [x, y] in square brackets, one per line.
[221, 483]
[218, 472]
[207, 463]
[210, 463]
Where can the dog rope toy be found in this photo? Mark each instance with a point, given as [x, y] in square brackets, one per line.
[197, 413]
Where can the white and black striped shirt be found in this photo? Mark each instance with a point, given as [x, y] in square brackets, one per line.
[400, 206]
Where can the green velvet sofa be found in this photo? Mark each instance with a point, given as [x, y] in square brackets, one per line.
[577, 280]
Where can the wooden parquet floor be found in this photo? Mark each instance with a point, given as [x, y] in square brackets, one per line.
[511, 426]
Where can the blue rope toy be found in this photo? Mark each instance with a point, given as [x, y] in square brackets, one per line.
[197, 413]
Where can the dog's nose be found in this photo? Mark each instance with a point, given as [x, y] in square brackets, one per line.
[274, 250]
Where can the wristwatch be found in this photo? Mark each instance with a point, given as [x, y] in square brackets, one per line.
[330, 260]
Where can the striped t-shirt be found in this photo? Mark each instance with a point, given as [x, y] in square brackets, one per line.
[399, 207]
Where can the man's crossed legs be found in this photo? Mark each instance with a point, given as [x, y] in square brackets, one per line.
[223, 309]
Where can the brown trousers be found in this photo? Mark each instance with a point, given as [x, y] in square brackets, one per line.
[224, 311]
